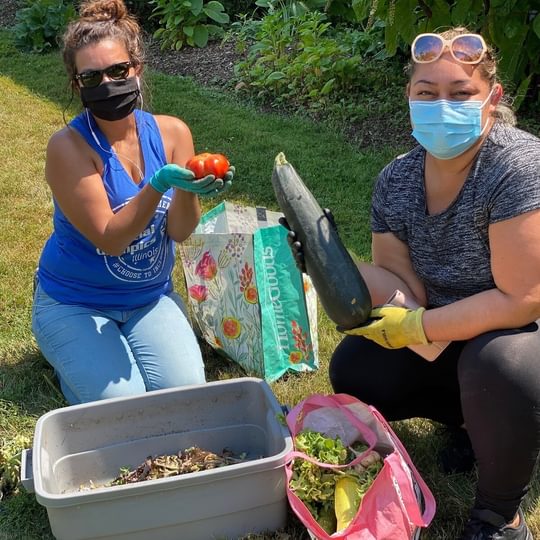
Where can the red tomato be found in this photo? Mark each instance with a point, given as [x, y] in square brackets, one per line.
[216, 164]
[206, 163]
[196, 164]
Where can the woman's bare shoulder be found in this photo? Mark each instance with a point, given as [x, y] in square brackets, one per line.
[176, 137]
[172, 125]
[69, 156]
[68, 140]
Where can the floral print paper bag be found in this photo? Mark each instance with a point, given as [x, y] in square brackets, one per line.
[246, 295]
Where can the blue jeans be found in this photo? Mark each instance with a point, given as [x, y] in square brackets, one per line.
[100, 354]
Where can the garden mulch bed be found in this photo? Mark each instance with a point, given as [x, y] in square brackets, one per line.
[212, 65]
[8, 8]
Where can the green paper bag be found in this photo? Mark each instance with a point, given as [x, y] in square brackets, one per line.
[246, 295]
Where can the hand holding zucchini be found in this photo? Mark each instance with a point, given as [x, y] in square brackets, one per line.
[393, 327]
[295, 245]
[336, 278]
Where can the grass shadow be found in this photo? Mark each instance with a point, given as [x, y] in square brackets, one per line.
[24, 518]
[28, 383]
[423, 440]
[27, 70]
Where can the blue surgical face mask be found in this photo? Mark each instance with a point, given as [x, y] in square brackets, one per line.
[447, 128]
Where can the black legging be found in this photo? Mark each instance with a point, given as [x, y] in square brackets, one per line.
[491, 383]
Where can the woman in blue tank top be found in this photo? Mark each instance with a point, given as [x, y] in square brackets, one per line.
[105, 315]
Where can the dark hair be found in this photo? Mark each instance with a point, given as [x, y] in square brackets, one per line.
[99, 20]
[487, 67]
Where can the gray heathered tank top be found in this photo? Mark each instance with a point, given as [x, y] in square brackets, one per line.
[450, 251]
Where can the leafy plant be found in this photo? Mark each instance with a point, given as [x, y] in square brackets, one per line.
[38, 25]
[187, 22]
[10, 462]
[512, 26]
[291, 8]
[302, 61]
[242, 32]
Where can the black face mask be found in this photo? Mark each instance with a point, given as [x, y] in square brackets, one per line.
[111, 100]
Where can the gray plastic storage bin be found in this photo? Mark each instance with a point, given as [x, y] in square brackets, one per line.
[76, 444]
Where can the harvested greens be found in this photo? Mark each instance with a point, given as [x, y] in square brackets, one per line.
[333, 496]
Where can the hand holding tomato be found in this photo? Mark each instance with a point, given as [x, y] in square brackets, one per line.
[172, 176]
[204, 164]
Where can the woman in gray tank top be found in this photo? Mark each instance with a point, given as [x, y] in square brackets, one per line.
[456, 229]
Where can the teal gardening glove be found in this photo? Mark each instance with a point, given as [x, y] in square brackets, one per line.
[393, 327]
[174, 176]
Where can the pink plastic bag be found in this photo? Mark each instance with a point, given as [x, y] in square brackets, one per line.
[398, 503]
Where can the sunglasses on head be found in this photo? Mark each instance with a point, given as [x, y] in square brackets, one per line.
[93, 77]
[464, 48]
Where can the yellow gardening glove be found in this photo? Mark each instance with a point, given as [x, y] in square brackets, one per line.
[393, 327]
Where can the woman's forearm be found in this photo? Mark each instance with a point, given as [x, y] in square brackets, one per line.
[123, 227]
[482, 312]
[382, 283]
[184, 215]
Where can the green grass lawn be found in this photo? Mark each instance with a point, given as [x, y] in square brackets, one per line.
[33, 100]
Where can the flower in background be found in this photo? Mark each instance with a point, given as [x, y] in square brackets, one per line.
[246, 287]
[206, 268]
[301, 340]
[251, 294]
[295, 357]
[213, 340]
[246, 275]
[231, 327]
[198, 292]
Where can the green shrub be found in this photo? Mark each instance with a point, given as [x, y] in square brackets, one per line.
[188, 22]
[39, 24]
[303, 62]
[511, 26]
[243, 32]
[291, 8]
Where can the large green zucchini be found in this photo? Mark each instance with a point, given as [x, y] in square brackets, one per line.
[336, 278]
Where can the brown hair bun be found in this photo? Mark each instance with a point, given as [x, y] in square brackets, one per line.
[103, 10]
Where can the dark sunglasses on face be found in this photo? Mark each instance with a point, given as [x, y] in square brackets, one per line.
[464, 48]
[93, 77]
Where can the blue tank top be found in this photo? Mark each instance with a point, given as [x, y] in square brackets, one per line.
[74, 271]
